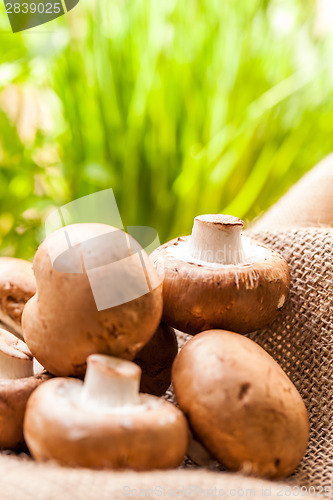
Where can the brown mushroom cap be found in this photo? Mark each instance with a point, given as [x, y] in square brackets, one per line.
[62, 324]
[201, 292]
[17, 286]
[71, 427]
[17, 382]
[240, 404]
[155, 361]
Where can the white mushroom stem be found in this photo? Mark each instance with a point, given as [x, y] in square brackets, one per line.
[217, 239]
[15, 358]
[37, 367]
[199, 454]
[110, 383]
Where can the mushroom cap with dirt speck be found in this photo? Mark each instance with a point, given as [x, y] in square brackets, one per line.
[219, 278]
[62, 324]
[240, 404]
[17, 286]
[17, 382]
[104, 423]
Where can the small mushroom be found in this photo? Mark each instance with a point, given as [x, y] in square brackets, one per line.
[97, 292]
[17, 286]
[219, 278]
[104, 422]
[17, 382]
[155, 361]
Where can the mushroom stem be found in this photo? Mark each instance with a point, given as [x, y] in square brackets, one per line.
[111, 382]
[217, 239]
[15, 358]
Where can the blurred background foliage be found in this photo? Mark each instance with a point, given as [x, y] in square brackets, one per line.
[181, 106]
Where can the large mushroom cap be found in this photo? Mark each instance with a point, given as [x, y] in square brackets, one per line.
[17, 382]
[17, 286]
[97, 292]
[219, 278]
[105, 422]
[240, 404]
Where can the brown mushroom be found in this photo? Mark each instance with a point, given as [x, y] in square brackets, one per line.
[97, 292]
[17, 286]
[240, 404]
[104, 422]
[219, 278]
[17, 382]
[155, 361]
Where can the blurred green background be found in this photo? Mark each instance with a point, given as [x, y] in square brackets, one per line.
[181, 106]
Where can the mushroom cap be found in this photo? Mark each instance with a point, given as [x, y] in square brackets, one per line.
[14, 392]
[17, 286]
[240, 404]
[241, 298]
[62, 324]
[155, 360]
[14, 395]
[57, 427]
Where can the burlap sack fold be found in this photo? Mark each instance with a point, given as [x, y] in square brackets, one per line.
[309, 203]
[301, 341]
[23, 479]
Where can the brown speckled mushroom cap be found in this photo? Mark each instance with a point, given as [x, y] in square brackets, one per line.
[155, 360]
[240, 404]
[62, 323]
[105, 422]
[17, 286]
[17, 382]
[219, 278]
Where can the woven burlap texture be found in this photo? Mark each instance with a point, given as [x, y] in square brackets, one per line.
[300, 339]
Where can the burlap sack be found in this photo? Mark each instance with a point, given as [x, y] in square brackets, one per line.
[301, 341]
[309, 203]
[25, 480]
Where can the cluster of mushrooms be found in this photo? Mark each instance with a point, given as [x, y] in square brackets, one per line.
[84, 387]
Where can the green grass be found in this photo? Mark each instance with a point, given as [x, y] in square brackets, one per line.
[182, 107]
